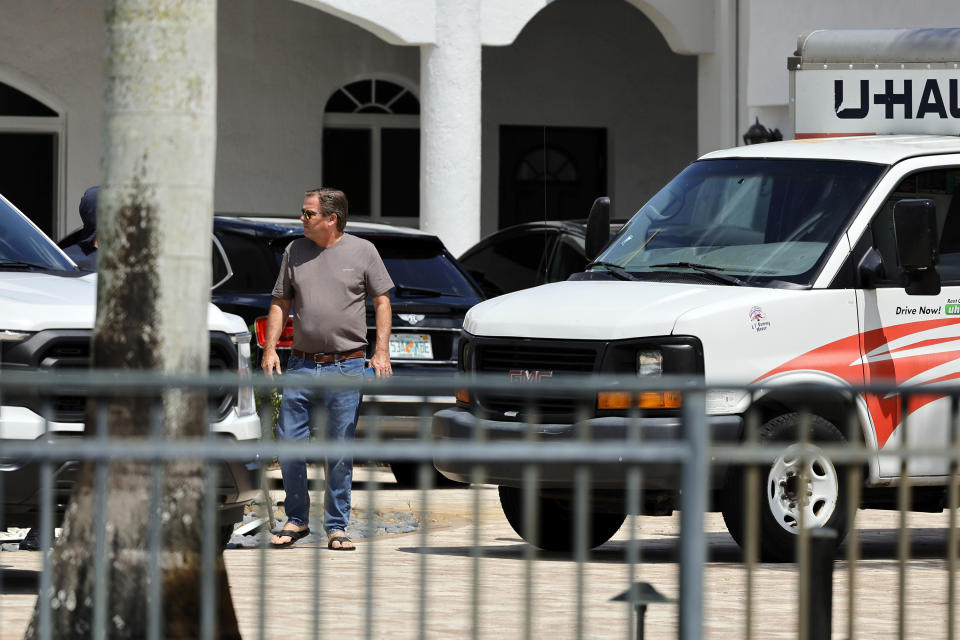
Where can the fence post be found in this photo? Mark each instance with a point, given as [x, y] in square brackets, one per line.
[693, 548]
[823, 544]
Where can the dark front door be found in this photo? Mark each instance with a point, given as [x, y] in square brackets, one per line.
[28, 176]
[28, 161]
[550, 173]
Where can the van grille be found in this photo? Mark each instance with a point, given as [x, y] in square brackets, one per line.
[547, 357]
[516, 360]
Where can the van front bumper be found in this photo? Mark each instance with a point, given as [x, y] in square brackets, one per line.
[457, 424]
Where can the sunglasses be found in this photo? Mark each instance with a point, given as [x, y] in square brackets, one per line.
[306, 214]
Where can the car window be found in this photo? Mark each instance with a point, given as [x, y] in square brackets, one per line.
[421, 269]
[568, 258]
[509, 263]
[941, 186]
[21, 242]
[255, 264]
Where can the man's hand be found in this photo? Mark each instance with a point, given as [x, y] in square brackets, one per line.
[381, 364]
[270, 361]
[276, 317]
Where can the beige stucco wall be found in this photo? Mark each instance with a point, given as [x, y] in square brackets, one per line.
[588, 63]
[594, 63]
[576, 63]
[55, 49]
[279, 62]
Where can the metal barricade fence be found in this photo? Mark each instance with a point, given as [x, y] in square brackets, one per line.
[536, 504]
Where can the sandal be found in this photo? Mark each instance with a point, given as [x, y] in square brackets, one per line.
[293, 534]
[340, 539]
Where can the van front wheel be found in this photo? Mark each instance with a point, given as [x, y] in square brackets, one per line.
[556, 520]
[801, 487]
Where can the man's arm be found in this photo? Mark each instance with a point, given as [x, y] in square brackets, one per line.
[381, 352]
[279, 310]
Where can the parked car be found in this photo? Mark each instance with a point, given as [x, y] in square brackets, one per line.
[244, 291]
[528, 254]
[49, 312]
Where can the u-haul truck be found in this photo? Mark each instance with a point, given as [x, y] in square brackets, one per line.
[831, 259]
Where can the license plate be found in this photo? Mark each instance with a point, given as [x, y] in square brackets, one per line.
[411, 346]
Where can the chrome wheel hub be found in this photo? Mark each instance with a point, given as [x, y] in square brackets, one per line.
[802, 487]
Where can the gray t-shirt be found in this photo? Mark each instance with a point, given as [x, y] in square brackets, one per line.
[329, 288]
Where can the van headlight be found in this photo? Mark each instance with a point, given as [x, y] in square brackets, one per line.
[650, 358]
[7, 335]
[650, 362]
[245, 402]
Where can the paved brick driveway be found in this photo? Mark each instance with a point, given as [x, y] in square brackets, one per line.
[377, 590]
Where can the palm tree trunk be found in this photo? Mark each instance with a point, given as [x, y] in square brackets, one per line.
[155, 210]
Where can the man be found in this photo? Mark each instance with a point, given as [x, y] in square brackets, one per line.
[326, 278]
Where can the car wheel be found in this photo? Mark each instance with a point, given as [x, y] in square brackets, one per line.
[407, 475]
[226, 533]
[555, 525]
[793, 489]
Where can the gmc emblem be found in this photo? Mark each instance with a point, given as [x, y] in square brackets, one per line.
[528, 375]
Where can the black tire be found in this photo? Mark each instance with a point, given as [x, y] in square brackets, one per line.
[226, 532]
[407, 475]
[555, 525]
[779, 491]
[226, 523]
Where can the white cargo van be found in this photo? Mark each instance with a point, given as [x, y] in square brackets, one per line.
[48, 312]
[831, 259]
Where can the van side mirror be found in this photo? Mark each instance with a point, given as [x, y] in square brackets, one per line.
[598, 228]
[915, 234]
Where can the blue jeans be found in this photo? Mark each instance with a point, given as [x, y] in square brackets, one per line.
[296, 423]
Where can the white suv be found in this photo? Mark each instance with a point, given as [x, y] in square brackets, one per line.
[49, 309]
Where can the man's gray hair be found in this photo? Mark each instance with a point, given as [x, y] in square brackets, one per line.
[332, 201]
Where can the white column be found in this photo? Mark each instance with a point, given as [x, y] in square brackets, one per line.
[717, 81]
[450, 126]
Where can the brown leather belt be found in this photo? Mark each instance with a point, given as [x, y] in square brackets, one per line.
[328, 357]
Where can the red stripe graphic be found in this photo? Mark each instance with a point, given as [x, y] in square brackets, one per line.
[925, 343]
[841, 358]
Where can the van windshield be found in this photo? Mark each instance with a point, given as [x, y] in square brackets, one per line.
[758, 221]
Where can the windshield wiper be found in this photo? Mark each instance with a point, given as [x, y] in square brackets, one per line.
[403, 290]
[615, 269]
[20, 264]
[711, 271]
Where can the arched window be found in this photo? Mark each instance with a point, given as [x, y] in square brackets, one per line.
[31, 138]
[371, 149]
[547, 164]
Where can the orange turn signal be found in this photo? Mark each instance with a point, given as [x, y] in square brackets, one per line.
[463, 395]
[643, 400]
[614, 400]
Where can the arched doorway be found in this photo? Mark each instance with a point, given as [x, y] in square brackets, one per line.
[31, 135]
[371, 149]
